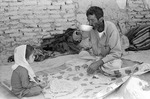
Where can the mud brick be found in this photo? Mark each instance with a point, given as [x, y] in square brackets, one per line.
[69, 2]
[1, 32]
[147, 16]
[53, 11]
[58, 3]
[9, 40]
[44, 25]
[11, 13]
[15, 3]
[42, 16]
[3, 4]
[30, 34]
[16, 17]
[15, 34]
[69, 15]
[4, 19]
[26, 21]
[24, 12]
[47, 20]
[55, 16]
[68, 7]
[44, 2]
[26, 30]
[11, 31]
[61, 20]
[54, 7]
[30, 2]
[4, 28]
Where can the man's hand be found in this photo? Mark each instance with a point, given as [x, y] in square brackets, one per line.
[94, 66]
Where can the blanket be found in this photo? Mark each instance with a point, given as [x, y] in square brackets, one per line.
[139, 38]
[95, 86]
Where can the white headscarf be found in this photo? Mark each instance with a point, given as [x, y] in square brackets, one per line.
[20, 60]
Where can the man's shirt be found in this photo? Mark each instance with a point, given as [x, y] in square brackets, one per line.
[111, 38]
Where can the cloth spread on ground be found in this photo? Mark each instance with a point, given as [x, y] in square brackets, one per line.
[87, 86]
[139, 38]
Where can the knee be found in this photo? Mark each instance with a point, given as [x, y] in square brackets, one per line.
[39, 90]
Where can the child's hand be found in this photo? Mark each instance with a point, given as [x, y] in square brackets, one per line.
[36, 79]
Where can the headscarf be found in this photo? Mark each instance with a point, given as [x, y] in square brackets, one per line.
[20, 60]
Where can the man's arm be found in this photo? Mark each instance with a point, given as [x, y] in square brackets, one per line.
[94, 66]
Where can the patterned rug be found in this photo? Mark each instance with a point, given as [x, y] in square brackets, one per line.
[94, 86]
[73, 73]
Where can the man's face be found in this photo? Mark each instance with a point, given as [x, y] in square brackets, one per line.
[97, 24]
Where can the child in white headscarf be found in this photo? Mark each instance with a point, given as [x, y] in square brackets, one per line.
[23, 80]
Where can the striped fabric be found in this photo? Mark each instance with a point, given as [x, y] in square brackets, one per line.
[139, 38]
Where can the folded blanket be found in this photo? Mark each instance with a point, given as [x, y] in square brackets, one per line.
[139, 38]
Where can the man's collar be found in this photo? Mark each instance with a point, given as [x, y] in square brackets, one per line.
[105, 26]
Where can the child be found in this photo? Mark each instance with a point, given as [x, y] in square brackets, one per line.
[23, 79]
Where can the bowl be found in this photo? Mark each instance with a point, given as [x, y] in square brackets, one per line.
[85, 27]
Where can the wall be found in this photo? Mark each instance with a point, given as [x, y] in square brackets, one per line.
[27, 21]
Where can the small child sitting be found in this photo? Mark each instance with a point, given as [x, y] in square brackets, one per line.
[23, 80]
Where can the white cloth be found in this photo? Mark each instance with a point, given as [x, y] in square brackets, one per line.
[121, 3]
[146, 4]
[85, 43]
[115, 64]
[19, 57]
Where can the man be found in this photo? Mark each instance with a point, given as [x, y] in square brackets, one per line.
[105, 41]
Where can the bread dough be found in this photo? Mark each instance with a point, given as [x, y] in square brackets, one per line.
[63, 89]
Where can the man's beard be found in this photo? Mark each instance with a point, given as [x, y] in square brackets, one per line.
[99, 26]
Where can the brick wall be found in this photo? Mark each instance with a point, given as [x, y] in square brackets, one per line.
[27, 21]
[138, 13]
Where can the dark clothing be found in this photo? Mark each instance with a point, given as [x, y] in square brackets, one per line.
[62, 43]
[21, 84]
